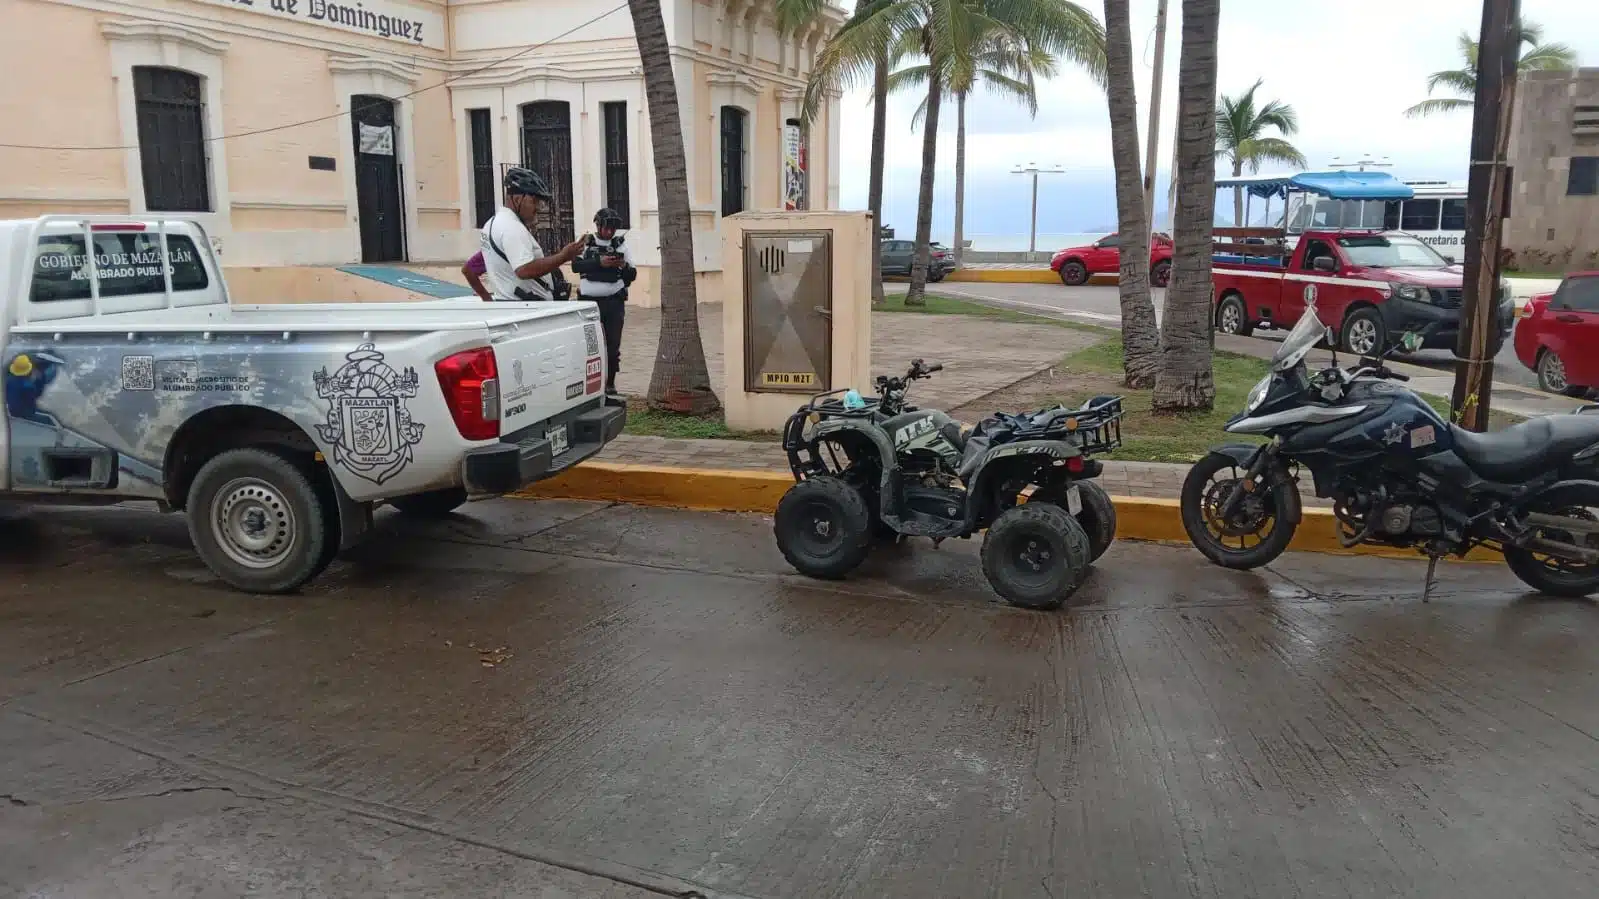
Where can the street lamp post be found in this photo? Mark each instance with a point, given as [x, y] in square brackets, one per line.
[1033, 170]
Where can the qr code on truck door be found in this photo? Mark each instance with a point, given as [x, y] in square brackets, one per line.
[138, 372]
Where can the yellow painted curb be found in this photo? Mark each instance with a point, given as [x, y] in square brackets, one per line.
[727, 490]
[1003, 276]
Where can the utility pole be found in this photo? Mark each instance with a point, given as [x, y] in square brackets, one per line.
[1486, 198]
[1035, 171]
[1154, 115]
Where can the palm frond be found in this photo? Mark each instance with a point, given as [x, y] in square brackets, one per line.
[1548, 58]
[1461, 81]
[911, 78]
[1436, 107]
[1270, 149]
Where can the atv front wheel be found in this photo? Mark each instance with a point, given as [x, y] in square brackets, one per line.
[1035, 555]
[823, 527]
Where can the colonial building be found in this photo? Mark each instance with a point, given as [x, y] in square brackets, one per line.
[325, 132]
[1554, 149]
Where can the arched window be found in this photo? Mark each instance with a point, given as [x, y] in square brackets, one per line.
[172, 149]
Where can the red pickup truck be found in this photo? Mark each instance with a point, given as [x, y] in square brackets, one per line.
[1371, 287]
[1076, 265]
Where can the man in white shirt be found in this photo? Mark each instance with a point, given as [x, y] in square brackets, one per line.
[515, 265]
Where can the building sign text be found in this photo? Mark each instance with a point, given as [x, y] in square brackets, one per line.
[379, 18]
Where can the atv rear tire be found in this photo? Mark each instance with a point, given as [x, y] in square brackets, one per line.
[1035, 555]
[823, 527]
[1098, 515]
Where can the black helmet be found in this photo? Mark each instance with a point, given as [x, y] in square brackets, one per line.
[607, 218]
[526, 182]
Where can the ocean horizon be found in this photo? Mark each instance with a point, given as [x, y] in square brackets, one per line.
[1017, 243]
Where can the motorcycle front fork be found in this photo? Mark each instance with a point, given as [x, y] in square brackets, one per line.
[1246, 484]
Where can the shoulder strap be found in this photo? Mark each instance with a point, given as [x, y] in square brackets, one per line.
[542, 279]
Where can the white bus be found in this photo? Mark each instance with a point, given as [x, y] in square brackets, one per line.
[1436, 214]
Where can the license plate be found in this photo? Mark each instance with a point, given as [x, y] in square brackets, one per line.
[557, 439]
[1074, 500]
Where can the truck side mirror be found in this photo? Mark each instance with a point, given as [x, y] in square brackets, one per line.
[1324, 264]
[1449, 259]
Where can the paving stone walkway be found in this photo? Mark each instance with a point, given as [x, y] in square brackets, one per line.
[981, 356]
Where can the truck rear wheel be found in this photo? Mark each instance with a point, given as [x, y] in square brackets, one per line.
[259, 522]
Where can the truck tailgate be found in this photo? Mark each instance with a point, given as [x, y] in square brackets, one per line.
[548, 366]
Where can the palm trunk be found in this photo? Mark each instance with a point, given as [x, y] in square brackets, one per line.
[1185, 382]
[1140, 333]
[915, 295]
[1238, 194]
[960, 175]
[874, 189]
[680, 382]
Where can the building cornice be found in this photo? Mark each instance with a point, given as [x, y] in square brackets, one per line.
[370, 65]
[163, 32]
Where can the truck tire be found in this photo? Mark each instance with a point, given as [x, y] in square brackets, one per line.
[1232, 316]
[1073, 273]
[1160, 273]
[259, 522]
[1365, 333]
[432, 504]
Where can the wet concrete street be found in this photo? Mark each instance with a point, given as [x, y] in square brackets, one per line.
[563, 699]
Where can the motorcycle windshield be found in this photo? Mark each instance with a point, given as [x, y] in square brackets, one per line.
[1307, 332]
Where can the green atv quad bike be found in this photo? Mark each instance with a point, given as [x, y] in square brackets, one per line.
[874, 469]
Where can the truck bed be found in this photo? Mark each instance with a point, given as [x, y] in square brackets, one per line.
[441, 315]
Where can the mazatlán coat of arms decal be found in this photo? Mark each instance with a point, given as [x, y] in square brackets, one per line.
[368, 423]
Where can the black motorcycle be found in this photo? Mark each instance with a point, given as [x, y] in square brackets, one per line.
[1398, 474]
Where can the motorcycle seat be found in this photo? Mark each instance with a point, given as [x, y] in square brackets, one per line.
[1523, 451]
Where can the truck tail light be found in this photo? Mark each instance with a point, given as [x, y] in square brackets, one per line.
[471, 385]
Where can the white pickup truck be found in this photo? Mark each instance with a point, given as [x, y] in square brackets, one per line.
[278, 428]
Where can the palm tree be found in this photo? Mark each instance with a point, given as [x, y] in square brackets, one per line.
[1241, 127]
[840, 65]
[1140, 333]
[1539, 57]
[1005, 62]
[680, 382]
[1185, 382]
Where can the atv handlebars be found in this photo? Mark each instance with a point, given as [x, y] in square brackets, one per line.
[891, 391]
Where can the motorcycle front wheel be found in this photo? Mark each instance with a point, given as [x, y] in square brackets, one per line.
[1258, 529]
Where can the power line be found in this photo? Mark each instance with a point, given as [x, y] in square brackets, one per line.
[483, 68]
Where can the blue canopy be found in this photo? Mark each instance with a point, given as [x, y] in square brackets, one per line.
[1336, 185]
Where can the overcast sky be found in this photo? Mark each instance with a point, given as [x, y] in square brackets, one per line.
[1349, 68]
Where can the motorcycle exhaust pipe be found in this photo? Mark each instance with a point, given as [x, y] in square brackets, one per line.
[1568, 551]
[1563, 523]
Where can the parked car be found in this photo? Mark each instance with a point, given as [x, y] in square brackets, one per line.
[278, 428]
[1558, 336]
[1371, 287]
[1076, 265]
[899, 255]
